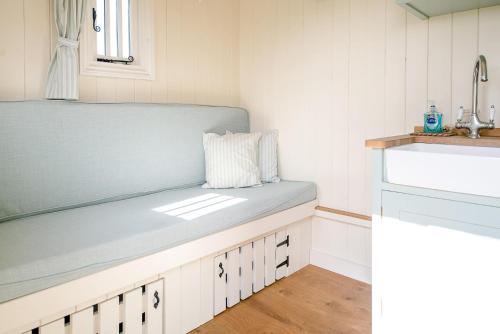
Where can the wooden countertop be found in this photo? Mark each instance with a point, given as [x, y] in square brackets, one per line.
[490, 138]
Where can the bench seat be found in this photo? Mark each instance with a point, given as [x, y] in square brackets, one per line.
[45, 250]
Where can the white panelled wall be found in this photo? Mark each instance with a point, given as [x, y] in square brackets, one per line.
[330, 74]
[196, 54]
[327, 73]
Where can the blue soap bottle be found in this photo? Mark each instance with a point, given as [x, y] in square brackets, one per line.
[433, 120]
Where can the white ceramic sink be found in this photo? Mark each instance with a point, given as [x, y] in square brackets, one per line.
[463, 169]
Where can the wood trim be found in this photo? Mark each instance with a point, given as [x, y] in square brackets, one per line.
[344, 213]
[484, 141]
[463, 132]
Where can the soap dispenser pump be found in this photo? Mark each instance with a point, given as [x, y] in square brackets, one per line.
[433, 120]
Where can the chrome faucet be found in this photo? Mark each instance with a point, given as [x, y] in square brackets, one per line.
[474, 125]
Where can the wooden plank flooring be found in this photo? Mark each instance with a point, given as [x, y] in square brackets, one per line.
[312, 300]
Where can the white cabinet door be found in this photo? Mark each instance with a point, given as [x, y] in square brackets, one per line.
[82, 322]
[207, 289]
[233, 277]
[191, 293]
[219, 284]
[172, 323]
[132, 303]
[154, 307]
[258, 265]
[109, 315]
[281, 254]
[56, 327]
[270, 259]
[246, 255]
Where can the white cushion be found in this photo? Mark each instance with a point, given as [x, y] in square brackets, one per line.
[231, 161]
[268, 156]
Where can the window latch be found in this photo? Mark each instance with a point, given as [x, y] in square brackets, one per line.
[126, 61]
[94, 17]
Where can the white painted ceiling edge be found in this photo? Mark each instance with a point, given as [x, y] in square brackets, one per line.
[428, 8]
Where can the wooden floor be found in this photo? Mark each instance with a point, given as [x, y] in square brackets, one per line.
[312, 300]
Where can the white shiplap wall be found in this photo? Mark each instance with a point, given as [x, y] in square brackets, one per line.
[196, 47]
[328, 73]
[331, 73]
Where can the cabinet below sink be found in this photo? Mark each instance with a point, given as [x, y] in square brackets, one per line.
[436, 240]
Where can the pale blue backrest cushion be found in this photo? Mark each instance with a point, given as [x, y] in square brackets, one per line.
[57, 155]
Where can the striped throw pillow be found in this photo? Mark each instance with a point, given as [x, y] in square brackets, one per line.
[231, 161]
[268, 156]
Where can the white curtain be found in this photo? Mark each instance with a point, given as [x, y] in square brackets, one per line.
[62, 82]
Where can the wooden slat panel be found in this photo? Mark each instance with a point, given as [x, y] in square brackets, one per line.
[174, 59]
[37, 43]
[395, 70]
[233, 277]
[124, 90]
[489, 26]
[190, 287]
[465, 43]
[305, 242]
[173, 301]
[109, 316]
[106, 89]
[258, 265]
[416, 70]
[246, 279]
[270, 259]
[12, 50]
[207, 289]
[142, 90]
[219, 284]
[83, 322]
[132, 322]
[340, 103]
[88, 88]
[154, 315]
[294, 259]
[439, 76]
[159, 85]
[56, 327]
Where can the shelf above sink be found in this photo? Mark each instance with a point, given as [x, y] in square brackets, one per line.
[428, 8]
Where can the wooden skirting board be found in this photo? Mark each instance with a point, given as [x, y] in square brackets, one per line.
[344, 213]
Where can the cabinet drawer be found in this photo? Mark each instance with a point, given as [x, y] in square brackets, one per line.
[138, 311]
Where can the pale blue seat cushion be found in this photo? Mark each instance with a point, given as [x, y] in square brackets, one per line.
[41, 251]
[60, 155]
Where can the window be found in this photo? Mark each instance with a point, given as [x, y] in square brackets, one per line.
[117, 39]
[111, 22]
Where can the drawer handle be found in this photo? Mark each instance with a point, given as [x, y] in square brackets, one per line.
[284, 263]
[221, 270]
[156, 300]
[284, 242]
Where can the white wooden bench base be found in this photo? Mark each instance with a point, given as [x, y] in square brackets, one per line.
[173, 291]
